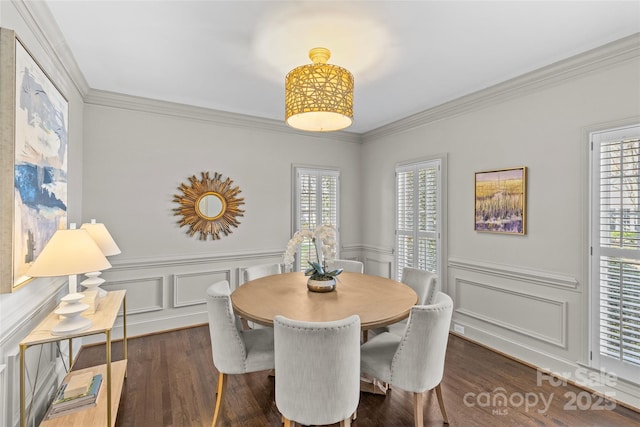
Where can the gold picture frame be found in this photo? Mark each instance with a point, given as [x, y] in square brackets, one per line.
[209, 206]
[501, 201]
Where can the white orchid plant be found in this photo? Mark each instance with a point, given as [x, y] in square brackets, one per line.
[324, 240]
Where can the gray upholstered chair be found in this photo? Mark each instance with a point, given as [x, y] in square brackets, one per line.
[256, 272]
[424, 283]
[347, 265]
[317, 370]
[262, 270]
[414, 361]
[234, 351]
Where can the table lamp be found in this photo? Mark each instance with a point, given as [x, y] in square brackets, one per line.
[69, 252]
[107, 245]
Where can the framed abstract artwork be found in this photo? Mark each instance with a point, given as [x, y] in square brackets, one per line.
[33, 160]
[500, 198]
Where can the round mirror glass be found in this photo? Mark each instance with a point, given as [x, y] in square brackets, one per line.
[210, 206]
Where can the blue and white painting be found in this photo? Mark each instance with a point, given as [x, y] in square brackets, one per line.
[40, 162]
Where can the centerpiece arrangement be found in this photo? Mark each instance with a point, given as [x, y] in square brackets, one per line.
[324, 241]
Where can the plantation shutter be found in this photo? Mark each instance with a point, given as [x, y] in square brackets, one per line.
[616, 257]
[316, 204]
[417, 217]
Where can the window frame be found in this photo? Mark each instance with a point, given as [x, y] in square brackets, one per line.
[441, 215]
[296, 205]
[597, 360]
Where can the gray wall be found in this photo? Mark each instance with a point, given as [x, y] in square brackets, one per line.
[136, 157]
[524, 295]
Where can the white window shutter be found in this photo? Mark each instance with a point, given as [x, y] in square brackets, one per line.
[316, 203]
[616, 259]
[417, 217]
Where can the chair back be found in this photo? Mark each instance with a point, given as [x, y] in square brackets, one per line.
[418, 364]
[347, 265]
[262, 270]
[317, 369]
[227, 343]
[421, 281]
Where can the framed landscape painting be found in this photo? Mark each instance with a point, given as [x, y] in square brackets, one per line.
[33, 160]
[500, 198]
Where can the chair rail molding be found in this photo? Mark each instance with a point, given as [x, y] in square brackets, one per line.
[517, 273]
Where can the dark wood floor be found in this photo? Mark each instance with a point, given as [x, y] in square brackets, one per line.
[171, 382]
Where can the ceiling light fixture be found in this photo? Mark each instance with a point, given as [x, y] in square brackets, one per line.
[319, 96]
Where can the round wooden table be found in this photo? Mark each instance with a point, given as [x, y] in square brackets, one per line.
[377, 300]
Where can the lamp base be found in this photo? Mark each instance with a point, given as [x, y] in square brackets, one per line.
[93, 283]
[70, 325]
[70, 312]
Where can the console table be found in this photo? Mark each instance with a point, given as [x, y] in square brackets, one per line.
[114, 372]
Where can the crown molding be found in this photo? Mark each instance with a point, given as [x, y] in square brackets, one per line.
[596, 59]
[224, 118]
[40, 21]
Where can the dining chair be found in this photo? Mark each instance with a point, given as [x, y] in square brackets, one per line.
[317, 370]
[424, 283]
[256, 272]
[347, 265]
[234, 351]
[262, 270]
[414, 361]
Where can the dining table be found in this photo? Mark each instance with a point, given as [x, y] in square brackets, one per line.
[378, 301]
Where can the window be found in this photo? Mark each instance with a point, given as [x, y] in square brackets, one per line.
[316, 203]
[615, 258]
[418, 217]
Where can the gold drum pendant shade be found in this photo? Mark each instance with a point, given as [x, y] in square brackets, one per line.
[319, 96]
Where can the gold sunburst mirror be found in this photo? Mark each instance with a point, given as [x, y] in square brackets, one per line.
[209, 206]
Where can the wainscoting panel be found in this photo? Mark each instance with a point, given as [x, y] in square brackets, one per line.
[144, 295]
[191, 288]
[533, 316]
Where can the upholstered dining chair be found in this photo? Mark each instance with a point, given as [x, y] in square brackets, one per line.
[234, 351]
[414, 361]
[256, 272]
[262, 270]
[317, 370]
[424, 283]
[347, 265]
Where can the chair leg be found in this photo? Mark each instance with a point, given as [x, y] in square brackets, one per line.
[354, 415]
[441, 403]
[288, 422]
[417, 409]
[365, 336]
[222, 381]
[346, 422]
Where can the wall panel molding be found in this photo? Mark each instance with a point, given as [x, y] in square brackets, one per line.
[553, 306]
[190, 288]
[516, 273]
[144, 294]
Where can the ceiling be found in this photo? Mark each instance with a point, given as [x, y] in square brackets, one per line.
[406, 56]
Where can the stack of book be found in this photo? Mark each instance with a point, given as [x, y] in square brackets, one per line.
[78, 393]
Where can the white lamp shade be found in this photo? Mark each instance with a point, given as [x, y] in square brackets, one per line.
[101, 235]
[69, 252]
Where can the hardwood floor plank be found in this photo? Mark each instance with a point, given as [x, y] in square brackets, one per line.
[171, 382]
